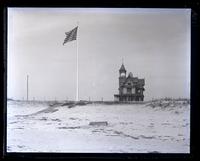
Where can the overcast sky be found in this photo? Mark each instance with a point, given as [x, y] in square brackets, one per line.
[154, 43]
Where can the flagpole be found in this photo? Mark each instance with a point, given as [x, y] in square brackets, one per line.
[77, 74]
[70, 36]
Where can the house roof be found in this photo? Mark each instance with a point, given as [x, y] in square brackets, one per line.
[137, 82]
[130, 75]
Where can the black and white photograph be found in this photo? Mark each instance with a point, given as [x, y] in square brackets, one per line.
[98, 80]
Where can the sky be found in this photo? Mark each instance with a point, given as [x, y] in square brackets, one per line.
[153, 43]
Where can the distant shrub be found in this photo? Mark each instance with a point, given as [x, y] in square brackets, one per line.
[168, 102]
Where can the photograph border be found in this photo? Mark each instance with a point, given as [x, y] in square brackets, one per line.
[195, 6]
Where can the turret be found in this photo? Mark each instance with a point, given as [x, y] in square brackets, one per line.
[122, 77]
[122, 71]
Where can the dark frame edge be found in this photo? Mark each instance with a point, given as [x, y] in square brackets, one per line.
[3, 95]
[194, 95]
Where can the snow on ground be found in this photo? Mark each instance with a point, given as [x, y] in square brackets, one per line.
[132, 128]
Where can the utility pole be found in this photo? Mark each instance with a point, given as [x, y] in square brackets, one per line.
[27, 88]
[77, 72]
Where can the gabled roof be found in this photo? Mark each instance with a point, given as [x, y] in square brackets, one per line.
[132, 79]
[138, 82]
[130, 75]
[122, 68]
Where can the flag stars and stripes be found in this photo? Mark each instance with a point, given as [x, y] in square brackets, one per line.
[71, 35]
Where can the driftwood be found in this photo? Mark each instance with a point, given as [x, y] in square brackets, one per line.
[99, 123]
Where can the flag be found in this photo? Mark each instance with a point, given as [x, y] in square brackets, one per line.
[71, 35]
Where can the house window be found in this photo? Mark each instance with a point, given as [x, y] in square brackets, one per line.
[124, 90]
[133, 90]
[128, 90]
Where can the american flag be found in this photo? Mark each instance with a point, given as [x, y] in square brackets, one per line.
[71, 35]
